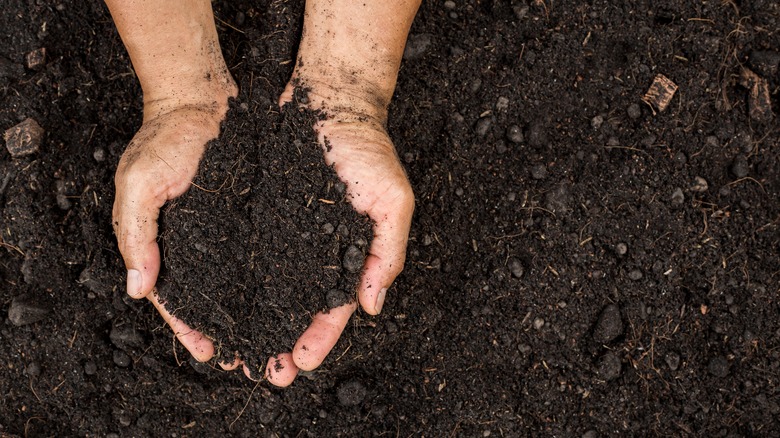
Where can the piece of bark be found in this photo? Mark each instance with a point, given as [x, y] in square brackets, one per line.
[660, 93]
[759, 103]
[24, 139]
[36, 59]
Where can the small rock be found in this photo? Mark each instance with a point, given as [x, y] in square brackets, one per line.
[699, 185]
[610, 367]
[539, 171]
[336, 298]
[672, 360]
[502, 104]
[740, 167]
[449, 4]
[342, 230]
[537, 136]
[25, 310]
[24, 139]
[718, 366]
[516, 268]
[609, 325]
[597, 121]
[634, 111]
[33, 369]
[408, 157]
[125, 336]
[677, 197]
[36, 59]
[635, 275]
[483, 126]
[353, 259]
[514, 134]
[90, 368]
[621, 249]
[417, 45]
[328, 228]
[538, 323]
[351, 393]
[121, 359]
[99, 155]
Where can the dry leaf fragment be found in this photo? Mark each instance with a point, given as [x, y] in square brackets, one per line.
[760, 107]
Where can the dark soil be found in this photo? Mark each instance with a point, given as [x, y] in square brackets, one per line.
[578, 265]
[266, 238]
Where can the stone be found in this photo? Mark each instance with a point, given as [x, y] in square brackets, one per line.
[353, 259]
[516, 268]
[26, 310]
[24, 139]
[609, 325]
[610, 367]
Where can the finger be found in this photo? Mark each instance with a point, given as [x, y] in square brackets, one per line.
[287, 94]
[135, 223]
[387, 252]
[199, 346]
[323, 333]
[281, 370]
[230, 366]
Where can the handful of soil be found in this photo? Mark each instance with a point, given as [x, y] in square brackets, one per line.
[264, 239]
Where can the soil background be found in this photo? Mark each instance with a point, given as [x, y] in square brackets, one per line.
[568, 274]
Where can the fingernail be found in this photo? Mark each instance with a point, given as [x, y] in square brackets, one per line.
[380, 300]
[134, 282]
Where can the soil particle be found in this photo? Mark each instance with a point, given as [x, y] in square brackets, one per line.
[502, 104]
[538, 323]
[33, 369]
[26, 309]
[36, 59]
[516, 267]
[9, 69]
[699, 185]
[610, 366]
[718, 366]
[678, 198]
[125, 336]
[537, 135]
[353, 259]
[558, 200]
[121, 359]
[351, 393]
[597, 121]
[672, 360]
[483, 126]
[90, 368]
[609, 325]
[765, 62]
[740, 167]
[515, 134]
[539, 171]
[635, 274]
[621, 249]
[337, 298]
[417, 46]
[634, 111]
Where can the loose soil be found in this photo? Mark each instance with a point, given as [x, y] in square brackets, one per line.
[578, 265]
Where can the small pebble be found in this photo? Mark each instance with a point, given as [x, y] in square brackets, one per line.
[635, 275]
[449, 4]
[699, 185]
[33, 369]
[539, 171]
[408, 157]
[328, 228]
[739, 167]
[90, 368]
[502, 104]
[353, 259]
[351, 393]
[672, 360]
[609, 325]
[516, 268]
[538, 323]
[621, 249]
[26, 310]
[718, 366]
[680, 158]
[514, 134]
[99, 154]
[677, 197]
[634, 111]
[121, 359]
[342, 230]
[483, 126]
[610, 367]
[597, 121]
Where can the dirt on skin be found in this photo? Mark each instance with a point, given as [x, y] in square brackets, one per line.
[578, 265]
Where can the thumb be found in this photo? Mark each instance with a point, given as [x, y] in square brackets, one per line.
[135, 225]
[392, 220]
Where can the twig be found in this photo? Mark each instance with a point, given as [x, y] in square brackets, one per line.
[230, 427]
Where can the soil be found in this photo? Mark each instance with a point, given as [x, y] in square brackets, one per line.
[580, 263]
[274, 227]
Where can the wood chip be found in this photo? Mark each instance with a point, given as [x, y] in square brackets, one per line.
[759, 104]
[24, 139]
[36, 59]
[660, 93]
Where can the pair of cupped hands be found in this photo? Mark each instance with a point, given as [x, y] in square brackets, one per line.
[162, 159]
